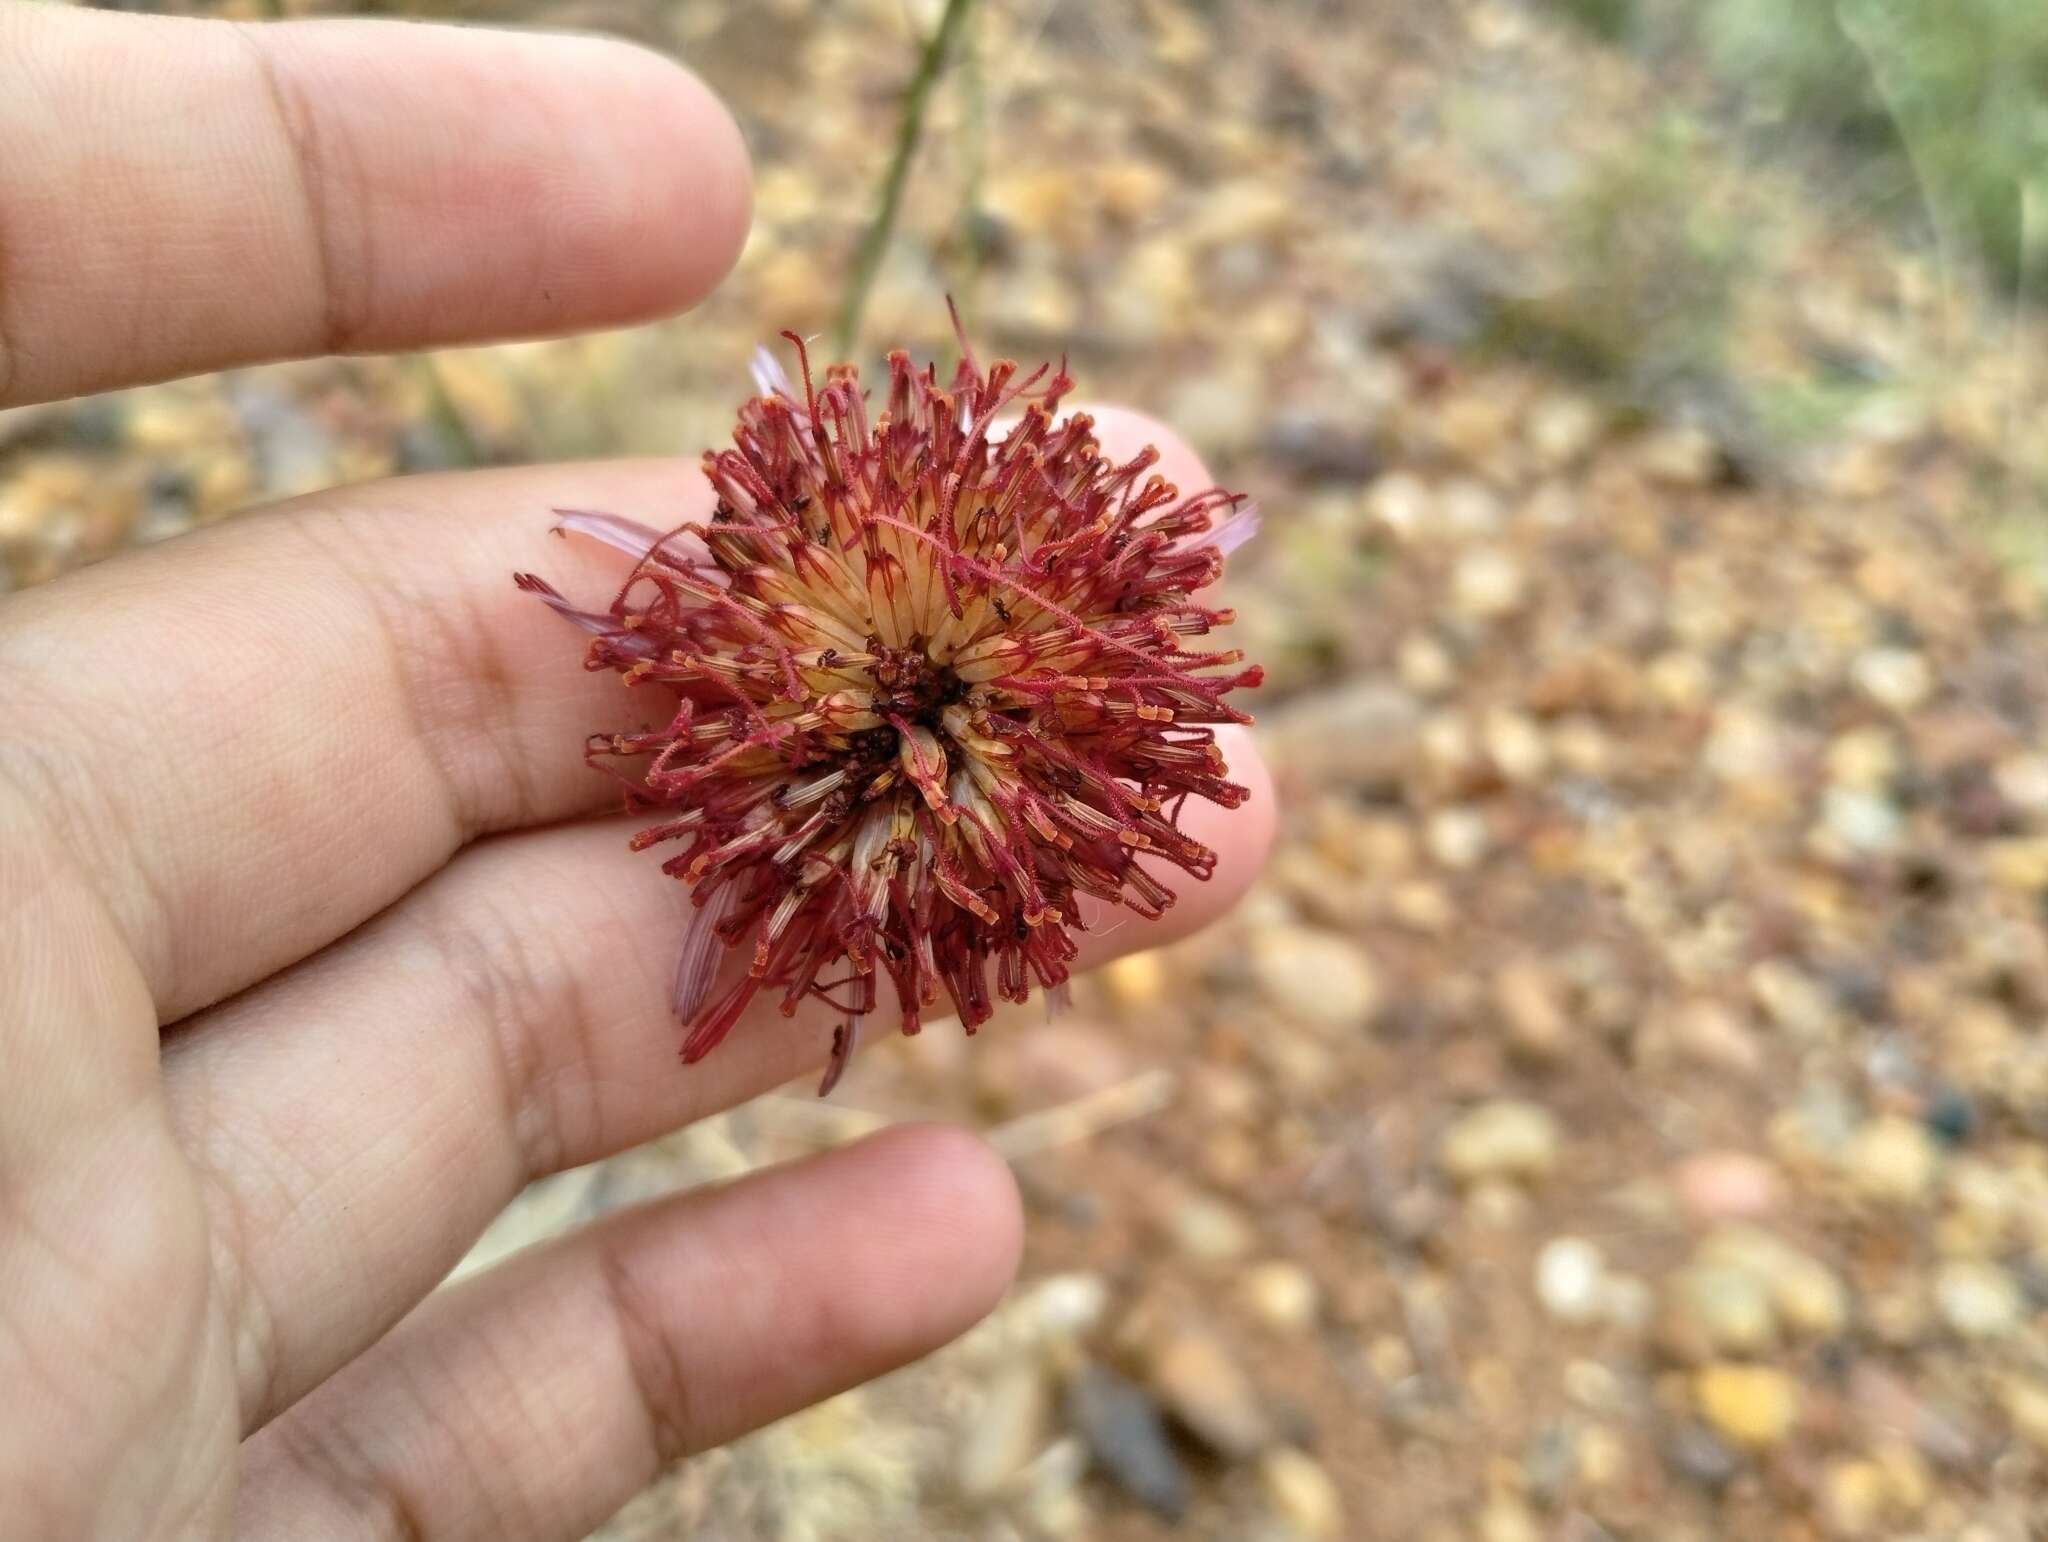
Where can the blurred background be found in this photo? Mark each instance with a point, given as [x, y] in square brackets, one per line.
[1622, 1110]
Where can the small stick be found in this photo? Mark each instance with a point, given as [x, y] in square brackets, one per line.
[1145, 1093]
[833, 1124]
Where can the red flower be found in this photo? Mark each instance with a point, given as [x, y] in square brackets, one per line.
[931, 682]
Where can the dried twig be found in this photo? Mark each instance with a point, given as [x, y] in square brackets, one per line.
[827, 1124]
[1145, 1093]
[813, 1123]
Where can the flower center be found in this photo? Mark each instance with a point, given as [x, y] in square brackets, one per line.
[909, 685]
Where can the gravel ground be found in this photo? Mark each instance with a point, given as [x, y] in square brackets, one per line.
[1622, 1110]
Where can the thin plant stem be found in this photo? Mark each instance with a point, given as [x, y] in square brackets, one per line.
[974, 155]
[1862, 32]
[909, 132]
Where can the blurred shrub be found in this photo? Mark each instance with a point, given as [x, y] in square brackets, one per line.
[1793, 64]
[1648, 266]
[1613, 20]
[1951, 95]
[1956, 89]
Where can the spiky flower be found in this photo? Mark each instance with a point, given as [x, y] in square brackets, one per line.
[926, 683]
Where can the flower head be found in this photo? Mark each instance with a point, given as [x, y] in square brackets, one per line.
[926, 683]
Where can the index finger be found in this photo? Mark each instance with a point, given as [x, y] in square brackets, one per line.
[181, 195]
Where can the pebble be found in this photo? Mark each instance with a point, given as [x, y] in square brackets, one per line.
[1318, 448]
[1900, 1315]
[1570, 1274]
[1866, 758]
[1007, 1431]
[1303, 1495]
[1206, 1228]
[1561, 429]
[1603, 1457]
[1458, 838]
[1811, 1299]
[1507, 1519]
[1867, 823]
[1496, 1204]
[1719, 1309]
[1978, 1299]
[1727, 1186]
[1402, 502]
[1854, 1498]
[1282, 1295]
[1469, 506]
[1317, 977]
[1806, 1296]
[1716, 1038]
[1627, 1301]
[2020, 863]
[1892, 1402]
[1216, 410]
[1423, 907]
[2023, 781]
[1047, 1063]
[1679, 679]
[1449, 748]
[1681, 456]
[1529, 998]
[1701, 1455]
[1064, 1306]
[1516, 746]
[1797, 1003]
[1204, 1388]
[1038, 301]
[1424, 665]
[1951, 1115]
[1898, 678]
[1754, 1406]
[1137, 980]
[1363, 730]
[1549, 1463]
[2025, 1400]
[1504, 1139]
[1127, 1439]
[1892, 1160]
[1051, 1485]
[1907, 1476]
[1487, 584]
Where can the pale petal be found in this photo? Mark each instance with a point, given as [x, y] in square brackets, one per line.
[1233, 530]
[698, 965]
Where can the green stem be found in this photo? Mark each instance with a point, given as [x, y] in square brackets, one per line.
[909, 130]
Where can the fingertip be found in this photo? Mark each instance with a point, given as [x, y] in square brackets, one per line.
[1124, 431]
[959, 1221]
[1241, 837]
[1245, 835]
[510, 183]
[677, 128]
[651, 177]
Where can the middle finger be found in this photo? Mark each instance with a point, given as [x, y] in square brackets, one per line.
[360, 1119]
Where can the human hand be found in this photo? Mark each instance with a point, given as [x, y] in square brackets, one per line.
[312, 949]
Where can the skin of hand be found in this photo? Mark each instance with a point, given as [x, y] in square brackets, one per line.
[315, 940]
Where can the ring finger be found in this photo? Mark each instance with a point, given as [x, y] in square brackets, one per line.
[507, 1019]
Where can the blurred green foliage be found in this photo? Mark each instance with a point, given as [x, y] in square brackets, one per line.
[1613, 20]
[1948, 95]
[1650, 263]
